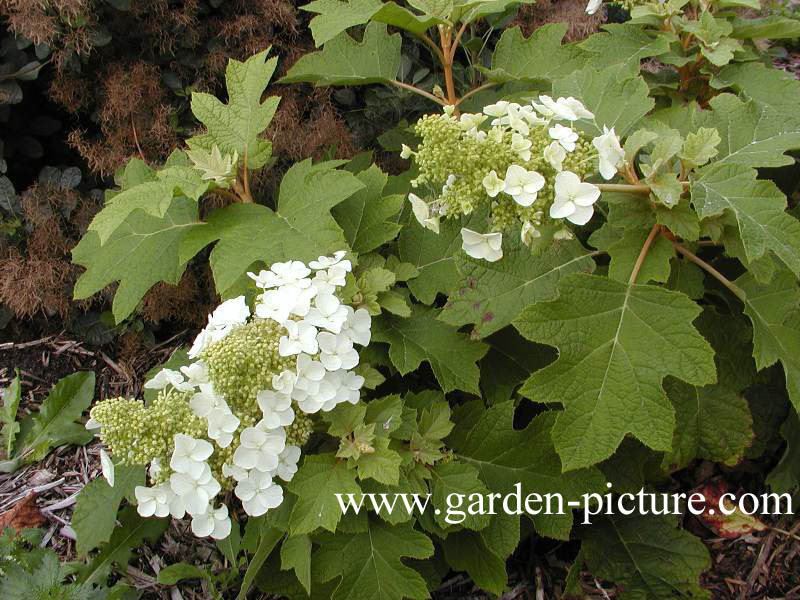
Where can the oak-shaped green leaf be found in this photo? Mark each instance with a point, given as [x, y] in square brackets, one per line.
[95, 515]
[505, 456]
[235, 127]
[152, 197]
[647, 556]
[369, 563]
[624, 247]
[616, 100]
[142, 251]
[433, 255]
[758, 206]
[491, 295]
[301, 229]
[335, 16]
[767, 85]
[456, 477]
[315, 483]
[422, 337]
[344, 61]
[624, 44]
[55, 423]
[616, 344]
[773, 310]
[296, 555]
[540, 56]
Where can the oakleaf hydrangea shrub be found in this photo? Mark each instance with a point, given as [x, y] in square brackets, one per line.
[237, 417]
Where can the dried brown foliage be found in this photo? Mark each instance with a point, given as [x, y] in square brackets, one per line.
[189, 302]
[573, 12]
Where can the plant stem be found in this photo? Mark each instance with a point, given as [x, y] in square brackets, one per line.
[736, 290]
[474, 91]
[436, 50]
[643, 253]
[445, 34]
[416, 90]
[454, 45]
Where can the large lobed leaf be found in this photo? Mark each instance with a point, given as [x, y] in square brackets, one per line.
[616, 344]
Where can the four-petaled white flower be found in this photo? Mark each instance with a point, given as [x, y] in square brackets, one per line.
[471, 121]
[258, 493]
[498, 109]
[488, 246]
[339, 387]
[195, 492]
[222, 424]
[284, 383]
[196, 373]
[189, 455]
[568, 109]
[276, 409]
[302, 337]
[573, 198]
[564, 136]
[555, 155]
[167, 377]
[291, 272]
[516, 121]
[214, 522]
[204, 401]
[326, 262]
[259, 449]
[422, 213]
[522, 185]
[336, 351]
[521, 145]
[593, 6]
[287, 463]
[357, 326]
[328, 313]
[609, 151]
[107, 467]
[493, 184]
[153, 501]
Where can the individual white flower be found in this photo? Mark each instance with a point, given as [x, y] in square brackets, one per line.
[309, 373]
[152, 501]
[325, 262]
[327, 313]
[292, 272]
[276, 409]
[278, 304]
[167, 377]
[493, 184]
[357, 326]
[609, 151]
[302, 337]
[195, 492]
[107, 467]
[593, 6]
[515, 120]
[488, 246]
[336, 351]
[543, 109]
[339, 387]
[155, 468]
[522, 185]
[498, 109]
[229, 314]
[471, 121]
[189, 455]
[529, 233]
[203, 339]
[231, 470]
[423, 214]
[326, 281]
[573, 198]
[284, 383]
[569, 109]
[196, 373]
[406, 152]
[528, 113]
[214, 523]
[204, 401]
[521, 145]
[287, 463]
[564, 136]
[259, 449]
[555, 155]
[258, 493]
[222, 424]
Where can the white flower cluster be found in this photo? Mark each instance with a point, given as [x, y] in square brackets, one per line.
[573, 198]
[321, 332]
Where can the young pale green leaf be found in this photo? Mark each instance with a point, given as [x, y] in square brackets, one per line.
[344, 61]
[365, 217]
[647, 556]
[626, 45]
[132, 532]
[140, 253]
[301, 229]
[616, 344]
[616, 100]
[54, 424]
[773, 310]
[152, 197]
[370, 564]
[8, 415]
[422, 337]
[540, 56]
[296, 555]
[700, 147]
[235, 127]
[95, 515]
[491, 295]
[758, 206]
[712, 422]
[505, 456]
[315, 483]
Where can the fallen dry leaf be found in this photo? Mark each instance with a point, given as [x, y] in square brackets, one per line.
[732, 526]
[24, 515]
